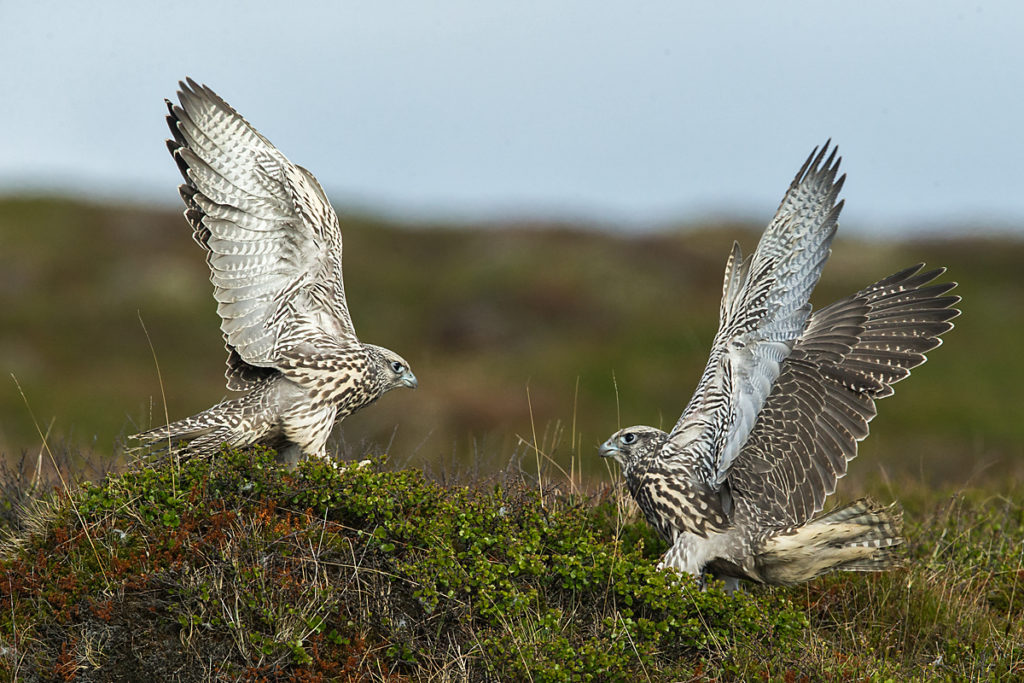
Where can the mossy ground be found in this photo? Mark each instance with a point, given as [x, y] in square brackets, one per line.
[235, 568]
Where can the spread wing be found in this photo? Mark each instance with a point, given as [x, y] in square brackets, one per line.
[851, 354]
[272, 239]
[764, 309]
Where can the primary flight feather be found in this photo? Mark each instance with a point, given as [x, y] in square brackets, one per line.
[273, 244]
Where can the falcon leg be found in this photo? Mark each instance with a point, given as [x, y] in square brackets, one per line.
[290, 455]
[732, 584]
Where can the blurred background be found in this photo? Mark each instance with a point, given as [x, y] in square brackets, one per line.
[537, 202]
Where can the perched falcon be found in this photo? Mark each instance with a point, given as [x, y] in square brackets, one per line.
[735, 486]
[273, 244]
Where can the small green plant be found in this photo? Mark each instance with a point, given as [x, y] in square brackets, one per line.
[234, 567]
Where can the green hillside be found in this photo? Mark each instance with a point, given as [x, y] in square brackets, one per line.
[233, 568]
[512, 329]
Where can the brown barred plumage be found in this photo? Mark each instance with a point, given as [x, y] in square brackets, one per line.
[786, 396]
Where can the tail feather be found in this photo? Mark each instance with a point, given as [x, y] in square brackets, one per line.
[181, 430]
[860, 536]
[204, 433]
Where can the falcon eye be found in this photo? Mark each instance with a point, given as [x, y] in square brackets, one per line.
[398, 367]
[628, 437]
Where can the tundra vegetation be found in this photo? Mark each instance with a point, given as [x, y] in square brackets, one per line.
[484, 540]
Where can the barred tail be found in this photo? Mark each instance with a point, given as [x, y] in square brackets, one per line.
[205, 432]
[861, 536]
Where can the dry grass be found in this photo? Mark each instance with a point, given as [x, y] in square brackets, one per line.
[606, 329]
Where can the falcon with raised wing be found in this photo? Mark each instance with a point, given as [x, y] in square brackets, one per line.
[273, 245]
[738, 485]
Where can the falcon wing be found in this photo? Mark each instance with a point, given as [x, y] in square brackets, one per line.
[272, 239]
[764, 309]
[851, 354]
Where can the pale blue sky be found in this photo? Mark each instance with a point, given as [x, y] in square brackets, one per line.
[630, 113]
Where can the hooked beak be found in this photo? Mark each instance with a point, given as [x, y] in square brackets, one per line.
[609, 450]
[409, 380]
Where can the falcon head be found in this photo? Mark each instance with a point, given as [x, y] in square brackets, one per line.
[393, 368]
[632, 444]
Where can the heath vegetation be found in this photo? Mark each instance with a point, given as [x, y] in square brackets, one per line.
[490, 542]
